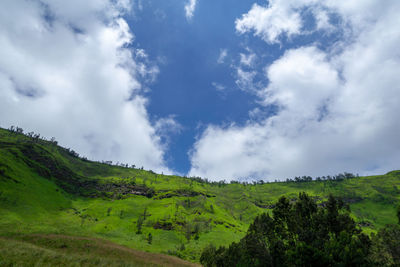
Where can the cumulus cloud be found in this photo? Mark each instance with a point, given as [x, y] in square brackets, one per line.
[190, 8]
[271, 21]
[337, 109]
[66, 71]
[285, 17]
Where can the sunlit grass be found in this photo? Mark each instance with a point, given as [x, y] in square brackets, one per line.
[32, 204]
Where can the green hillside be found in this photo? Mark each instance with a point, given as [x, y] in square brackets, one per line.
[62, 250]
[48, 190]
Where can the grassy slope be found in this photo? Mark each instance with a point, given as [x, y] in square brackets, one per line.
[33, 201]
[59, 250]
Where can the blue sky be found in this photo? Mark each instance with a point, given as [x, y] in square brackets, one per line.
[190, 51]
[217, 89]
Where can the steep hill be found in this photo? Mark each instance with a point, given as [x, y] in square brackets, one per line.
[46, 189]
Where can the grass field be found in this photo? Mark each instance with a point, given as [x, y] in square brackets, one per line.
[61, 250]
[48, 197]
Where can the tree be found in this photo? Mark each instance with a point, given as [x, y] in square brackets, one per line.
[297, 234]
[145, 214]
[19, 130]
[212, 209]
[207, 258]
[187, 231]
[139, 225]
[398, 213]
[385, 250]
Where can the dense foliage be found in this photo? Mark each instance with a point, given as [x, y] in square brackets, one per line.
[303, 233]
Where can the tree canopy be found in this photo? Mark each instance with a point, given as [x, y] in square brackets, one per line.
[304, 233]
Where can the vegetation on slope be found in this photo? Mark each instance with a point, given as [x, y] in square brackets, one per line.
[59, 250]
[306, 234]
[47, 189]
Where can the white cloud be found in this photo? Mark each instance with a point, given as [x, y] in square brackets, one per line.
[248, 59]
[190, 8]
[336, 111]
[246, 73]
[271, 21]
[65, 71]
[322, 20]
[222, 56]
[245, 80]
[284, 17]
[301, 81]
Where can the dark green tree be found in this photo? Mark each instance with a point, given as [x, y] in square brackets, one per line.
[139, 225]
[385, 250]
[297, 234]
[187, 229]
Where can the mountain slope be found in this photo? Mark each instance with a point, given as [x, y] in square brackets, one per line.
[47, 189]
[60, 250]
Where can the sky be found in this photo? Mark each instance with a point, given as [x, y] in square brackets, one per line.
[216, 89]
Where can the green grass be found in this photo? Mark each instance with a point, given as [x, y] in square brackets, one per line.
[58, 250]
[46, 190]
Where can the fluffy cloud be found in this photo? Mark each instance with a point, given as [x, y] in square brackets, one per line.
[66, 71]
[190, 8]
[285, 17]
[337, 108]
[301, 82]
[271, 21]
